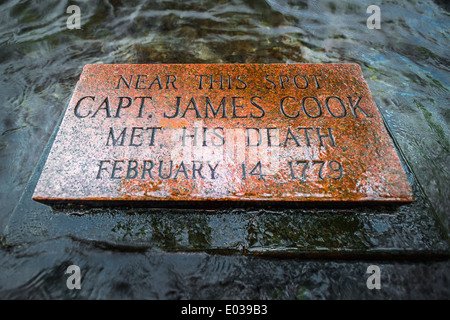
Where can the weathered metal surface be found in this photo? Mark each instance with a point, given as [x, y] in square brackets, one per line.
[228, 132]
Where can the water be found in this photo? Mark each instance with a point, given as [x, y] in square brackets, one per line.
[406, 64]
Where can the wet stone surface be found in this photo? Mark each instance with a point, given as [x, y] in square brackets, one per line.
[267, 228]
[141, 134]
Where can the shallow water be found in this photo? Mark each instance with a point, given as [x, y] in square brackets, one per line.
[405, 63]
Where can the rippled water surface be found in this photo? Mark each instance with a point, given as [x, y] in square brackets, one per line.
[406, 64]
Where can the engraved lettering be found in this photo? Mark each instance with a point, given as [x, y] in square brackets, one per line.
[235, 106]
[355, 106]
[116, 168]
[106, 108]
[113, 138]
[121, 106]
[100, 168]
[127, 83]
[131, 170]
[319, 108]
[77, 114]
[177, 109]
[282, 108]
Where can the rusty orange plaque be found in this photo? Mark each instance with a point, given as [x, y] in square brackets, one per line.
[222, 132]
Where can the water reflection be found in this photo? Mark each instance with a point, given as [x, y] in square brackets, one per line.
[157, 275]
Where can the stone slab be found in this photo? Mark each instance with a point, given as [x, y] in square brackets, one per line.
[228, 132]
[408, 231]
